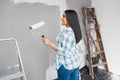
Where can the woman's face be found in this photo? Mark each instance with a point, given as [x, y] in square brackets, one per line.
[64, 20]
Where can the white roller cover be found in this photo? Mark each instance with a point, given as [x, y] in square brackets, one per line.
[37, 25]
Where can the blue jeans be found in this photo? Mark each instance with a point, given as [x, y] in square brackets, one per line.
[65, 74]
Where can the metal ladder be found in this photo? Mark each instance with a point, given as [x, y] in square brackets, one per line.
[93, 40]
[20, 74]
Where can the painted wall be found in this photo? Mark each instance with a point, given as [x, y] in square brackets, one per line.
[15, 20]
[108, 14]
[61, 3]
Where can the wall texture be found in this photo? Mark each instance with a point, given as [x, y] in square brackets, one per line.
[15, 20]
[108, 14]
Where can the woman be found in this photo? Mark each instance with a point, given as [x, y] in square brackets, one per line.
[68, 60]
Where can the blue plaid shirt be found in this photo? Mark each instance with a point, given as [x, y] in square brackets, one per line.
[67, 50]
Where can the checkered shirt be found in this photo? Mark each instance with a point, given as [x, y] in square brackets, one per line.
[67, 50]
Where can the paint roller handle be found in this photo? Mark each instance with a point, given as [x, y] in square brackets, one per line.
[43, 36]
[30, 28]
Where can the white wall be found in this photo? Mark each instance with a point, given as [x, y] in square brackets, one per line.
[108, 13]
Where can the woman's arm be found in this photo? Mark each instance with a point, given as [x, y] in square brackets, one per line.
[49, 43]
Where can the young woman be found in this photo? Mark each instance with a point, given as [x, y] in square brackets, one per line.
[68, 58]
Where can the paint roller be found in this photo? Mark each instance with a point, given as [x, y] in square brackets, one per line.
[36, 26]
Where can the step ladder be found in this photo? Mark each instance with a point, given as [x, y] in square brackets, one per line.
[18, 74]
[93, 40]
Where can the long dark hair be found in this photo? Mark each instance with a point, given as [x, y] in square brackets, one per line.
[72, 19]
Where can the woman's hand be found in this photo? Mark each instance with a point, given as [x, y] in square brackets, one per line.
[49, 43]
[46, 41]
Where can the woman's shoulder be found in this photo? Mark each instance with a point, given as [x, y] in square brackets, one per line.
[68, 31]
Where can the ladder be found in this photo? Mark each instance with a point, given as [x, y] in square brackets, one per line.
[19, 74]
[93, 40]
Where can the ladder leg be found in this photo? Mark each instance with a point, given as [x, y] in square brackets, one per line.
[102, 49]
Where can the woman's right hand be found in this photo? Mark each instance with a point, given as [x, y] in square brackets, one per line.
[49, 43]
[46, 41]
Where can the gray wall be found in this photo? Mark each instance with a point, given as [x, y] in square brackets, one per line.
[14, 22]
[15, 19]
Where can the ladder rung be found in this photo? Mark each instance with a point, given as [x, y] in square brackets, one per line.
[90, 21]
[12, 76]
[96, 40]
[99, 64]
[98, 52]
[90, 17]
[89, 7]
[93, 28]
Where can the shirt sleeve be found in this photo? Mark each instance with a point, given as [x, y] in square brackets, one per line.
[65, 45]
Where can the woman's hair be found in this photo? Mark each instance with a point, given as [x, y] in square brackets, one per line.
[72, 19]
